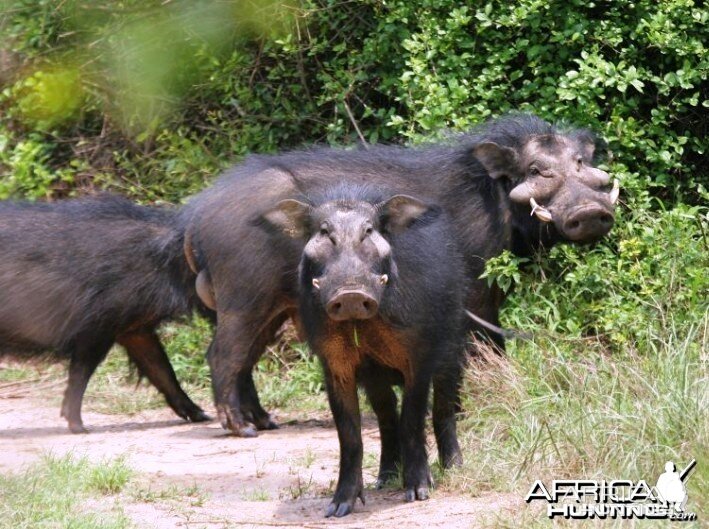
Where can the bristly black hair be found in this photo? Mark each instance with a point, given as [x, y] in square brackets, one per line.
[347, 192]
[511, 130]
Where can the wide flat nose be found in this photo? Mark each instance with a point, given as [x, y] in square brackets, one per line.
[588, 224]
[352, 305]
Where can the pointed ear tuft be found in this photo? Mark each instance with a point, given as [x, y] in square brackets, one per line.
[400, 212]
[290, 216]
[497, 160]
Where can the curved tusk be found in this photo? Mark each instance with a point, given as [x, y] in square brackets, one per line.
[615, 192]
[541, 212]
[384, 279]
[316, 283]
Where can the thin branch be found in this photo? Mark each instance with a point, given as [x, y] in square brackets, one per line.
[354, 124]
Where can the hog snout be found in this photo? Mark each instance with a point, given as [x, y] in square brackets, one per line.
[588, 223]
[351, 305]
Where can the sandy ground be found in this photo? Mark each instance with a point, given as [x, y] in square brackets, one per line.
[283, 478]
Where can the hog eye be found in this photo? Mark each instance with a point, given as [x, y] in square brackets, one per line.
[368, 231]
[579, 162]
[534, 171]
[324, 230]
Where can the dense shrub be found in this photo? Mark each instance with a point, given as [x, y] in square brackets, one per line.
[152, 99]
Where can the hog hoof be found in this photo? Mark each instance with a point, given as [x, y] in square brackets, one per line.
[259, 417]
[267, 425]
[420, 493]
[199, 416]
[418, 483]
[342, 507]
[245, 430]
[239, 428]
[77, 427]
[338, 510]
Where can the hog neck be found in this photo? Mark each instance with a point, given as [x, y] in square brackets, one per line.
[346, 345]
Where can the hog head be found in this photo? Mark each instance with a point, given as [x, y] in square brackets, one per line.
[347, 262]
[555, 175]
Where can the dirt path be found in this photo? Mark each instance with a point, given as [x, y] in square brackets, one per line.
[281, 479]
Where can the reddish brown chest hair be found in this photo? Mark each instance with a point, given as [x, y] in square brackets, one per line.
[346, 345]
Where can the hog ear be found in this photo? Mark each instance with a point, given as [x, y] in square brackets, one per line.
[289, 216]
[400, 211]
[497, 160]
[592, 147]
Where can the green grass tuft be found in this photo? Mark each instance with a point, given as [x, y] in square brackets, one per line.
[556, 410]
[53, 493]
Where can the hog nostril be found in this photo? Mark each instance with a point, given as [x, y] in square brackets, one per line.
[352, 305]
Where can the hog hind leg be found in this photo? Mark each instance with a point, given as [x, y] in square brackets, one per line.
[250, 404]
[85, 356]
[146, 351]
[229, 356]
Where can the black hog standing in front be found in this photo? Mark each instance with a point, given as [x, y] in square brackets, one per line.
[381, 293]
[80, 275]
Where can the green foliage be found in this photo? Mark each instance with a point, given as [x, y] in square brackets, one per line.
[504, 270]
[289, 376]
[186, 346]
[29, 171]
[652, 271]
[162, 96]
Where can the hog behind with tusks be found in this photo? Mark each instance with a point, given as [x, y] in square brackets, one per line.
[381, 291]
[515, 183]
[80, 275]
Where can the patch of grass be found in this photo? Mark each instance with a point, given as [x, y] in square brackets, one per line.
[13, 372]
[290, 377]
[147, 494]
[300, 488]
[556, 410]
[307, 459]
[54, 492]
[109, 477]
[370, 461]
[256, 495]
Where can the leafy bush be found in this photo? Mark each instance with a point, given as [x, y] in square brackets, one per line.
[159, 97]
